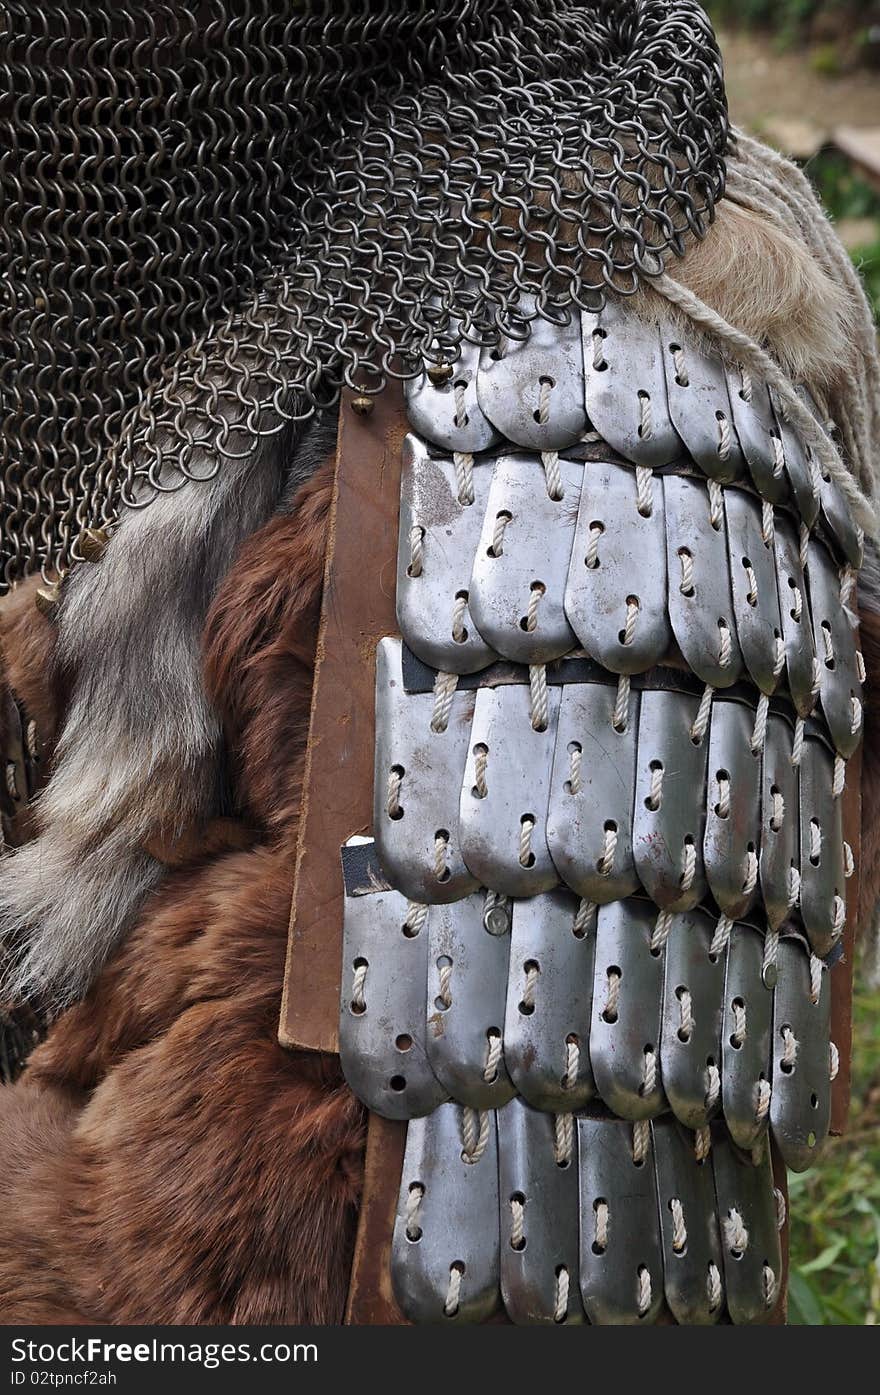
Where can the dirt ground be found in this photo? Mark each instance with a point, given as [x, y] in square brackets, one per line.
[766, 87]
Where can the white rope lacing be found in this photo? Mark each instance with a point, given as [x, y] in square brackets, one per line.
[686, 584]
[721, 936]
[527, 1001]
[481, 763]
[475, 1134]
[416, 917]
[816, 968]
[563, 1285]
[539, 698]
[738, 1035]
[493, 1057]
[790, 1046]
[416, 551]
[679, 1228]
[585, 918]
[704, 712]
[592, 557]
[735, 1234]
[553, 475]
[644, 1290]
[463, 462]
[620, 718]
[654, 797]
[661, 931]
[612, 995]
[496, 547]
[359, 978]
[714, 1292]
[686, 1014]
[526, 829]
[575, 764]
[459, 610]
[414, 1199]
[713, 1087]
[444, 989]
[392, 801]
[759, 732]
[645, 490]
[646, 417]
[641, 1141]
[445, 685]
[517, 1223]
[563, 1139]
[453, 1292]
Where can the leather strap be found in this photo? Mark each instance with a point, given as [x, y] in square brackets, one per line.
[358, 609]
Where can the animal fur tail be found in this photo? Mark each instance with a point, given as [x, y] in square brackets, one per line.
[139, 756]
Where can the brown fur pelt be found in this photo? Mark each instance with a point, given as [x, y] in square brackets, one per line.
[164, 1160]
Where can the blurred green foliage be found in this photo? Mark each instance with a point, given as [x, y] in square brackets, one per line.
[792, 21]
[846, 195]
[835, 1207]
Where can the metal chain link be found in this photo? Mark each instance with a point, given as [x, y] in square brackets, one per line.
[215, 217]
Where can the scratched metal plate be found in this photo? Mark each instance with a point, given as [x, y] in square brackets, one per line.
[745, 1061]
[534, 559]
[802, 475]
[839, 681]
[660, 835]
[599, 801]
[693, 999]
[780, 835]
[681, 1178]
[512, 375]
[446, 417]
[758, 623]
[451, 1223]
[699, 406]
[794, 609]
[626, 385]
[382, 1044]
[540, 1025]
[429, 500]
[519, 761]
[621, 1038]
[427, 803]
[529, 1174]
[822, 871]
[800, 1107]
[733, 816]
[700, 610]
[756, 427]
[743, 1187]
[610, 1279]
[462, 1022]
[833, 504]
[630, 569]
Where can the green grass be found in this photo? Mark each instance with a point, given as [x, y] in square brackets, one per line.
[835, 1207]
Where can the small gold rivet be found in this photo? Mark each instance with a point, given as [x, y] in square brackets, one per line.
[92, 543]
[362, 405]
[47, 598]
[439, 373]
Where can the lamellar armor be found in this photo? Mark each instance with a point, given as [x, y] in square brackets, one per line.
[590, 946]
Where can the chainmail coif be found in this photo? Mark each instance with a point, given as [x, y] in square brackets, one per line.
[215, 215]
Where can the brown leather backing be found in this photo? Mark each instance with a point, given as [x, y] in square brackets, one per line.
[371, 1301]
[360, 577]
